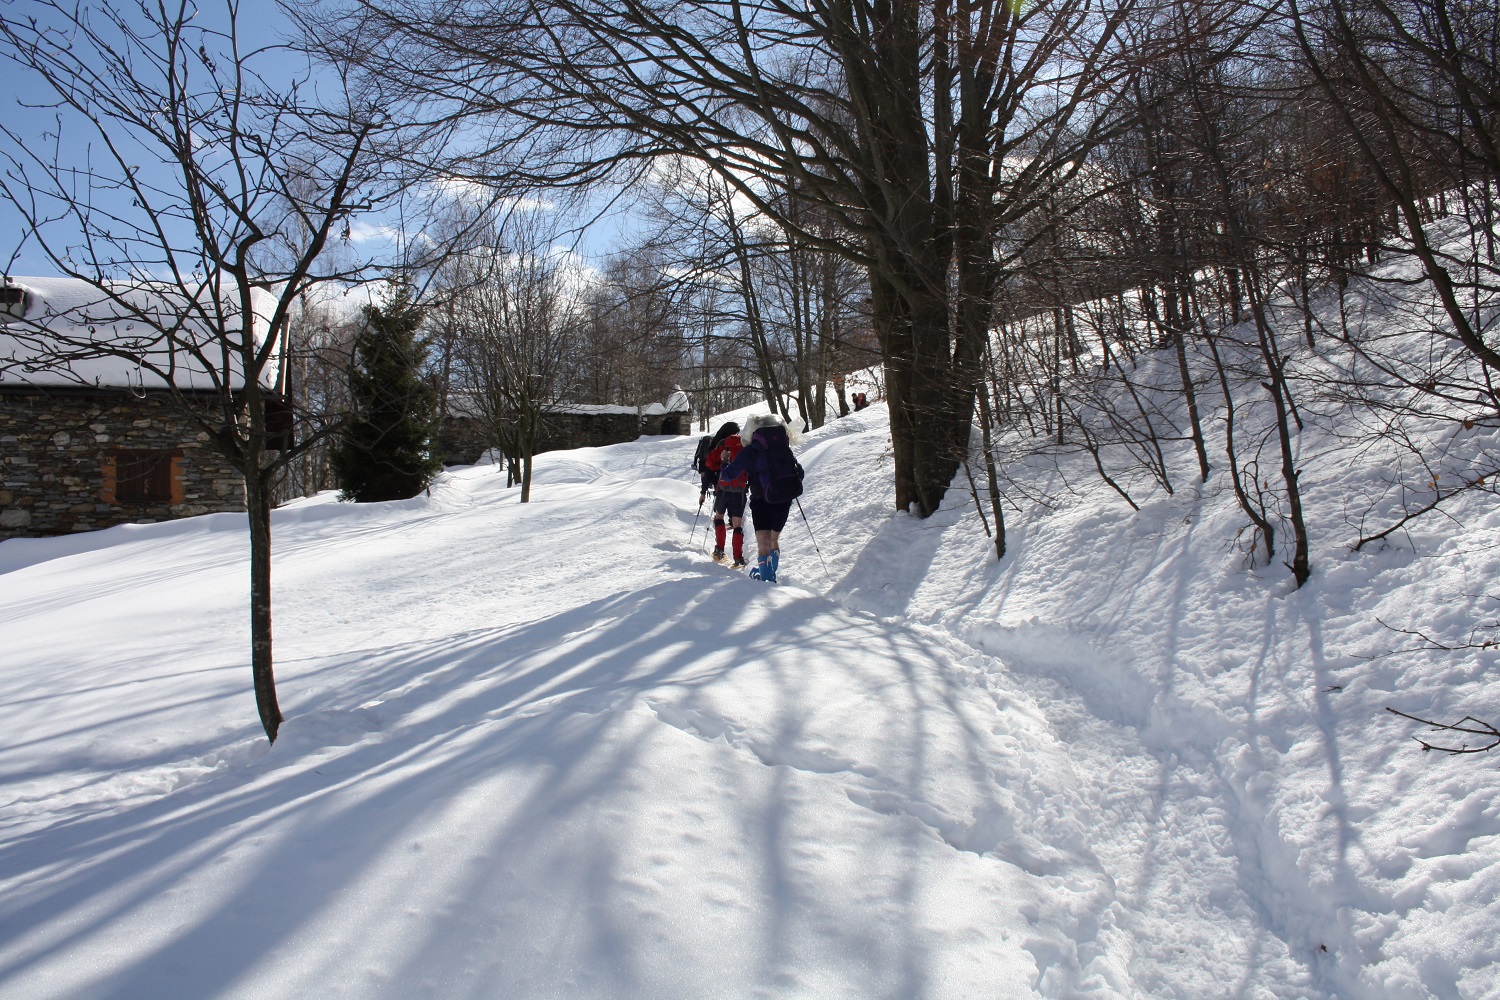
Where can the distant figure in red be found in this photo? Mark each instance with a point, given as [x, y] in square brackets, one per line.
[860, 402]
[729, 494]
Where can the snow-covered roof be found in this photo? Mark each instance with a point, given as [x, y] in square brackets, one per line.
[71, 332]
[595, 409]
[462, 404]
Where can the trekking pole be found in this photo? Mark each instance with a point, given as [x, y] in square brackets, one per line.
[694, 529]
[808, 526]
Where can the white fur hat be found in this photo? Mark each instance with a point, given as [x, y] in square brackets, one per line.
[758, 420]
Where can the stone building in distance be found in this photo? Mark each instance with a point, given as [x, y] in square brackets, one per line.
[91, 442]
[462, 439]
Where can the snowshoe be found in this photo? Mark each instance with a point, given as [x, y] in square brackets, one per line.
[718, 555]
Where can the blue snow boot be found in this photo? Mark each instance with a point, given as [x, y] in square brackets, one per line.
[762, 570]
[775, 562]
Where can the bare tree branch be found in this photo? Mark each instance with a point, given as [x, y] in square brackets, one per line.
[1477, 728]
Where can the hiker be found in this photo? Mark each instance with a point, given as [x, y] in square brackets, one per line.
[707, 478]
[729, 492]
[860, 402]
[775, 481]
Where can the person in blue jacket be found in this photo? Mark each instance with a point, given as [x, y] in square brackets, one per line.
[775, 482]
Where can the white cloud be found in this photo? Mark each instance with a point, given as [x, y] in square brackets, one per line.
[361, 233]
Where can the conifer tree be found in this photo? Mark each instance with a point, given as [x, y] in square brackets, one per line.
[385, 451]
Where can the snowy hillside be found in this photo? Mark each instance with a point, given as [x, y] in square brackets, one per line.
[552, 751]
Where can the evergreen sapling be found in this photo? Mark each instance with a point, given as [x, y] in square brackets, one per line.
[385, 451]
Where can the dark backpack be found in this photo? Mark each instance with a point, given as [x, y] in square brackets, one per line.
[781, 475]
[701, 455]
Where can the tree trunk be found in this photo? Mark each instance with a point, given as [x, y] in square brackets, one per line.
[258, 506]
[1280, 398]
[991, 477]
[1190, 393]
[527, 441]
[1251, 506]
[931, 402]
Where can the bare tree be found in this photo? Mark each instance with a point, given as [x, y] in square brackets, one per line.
[716, 245]
[1416, 88]
[209, 201]
[811, 301]
[320, 344]
[634, 345]
[518, 312]
[894, 118]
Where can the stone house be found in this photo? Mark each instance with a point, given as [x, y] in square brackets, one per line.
[86, 442]
[567, 425]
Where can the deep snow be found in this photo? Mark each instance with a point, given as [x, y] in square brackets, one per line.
[551, 750]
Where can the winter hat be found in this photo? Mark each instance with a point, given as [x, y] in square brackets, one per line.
[727, 428]
[756, 421]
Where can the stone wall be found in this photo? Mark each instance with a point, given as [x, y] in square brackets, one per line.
[677, 422]
[58, 452]
[561, 431]
[460, 441]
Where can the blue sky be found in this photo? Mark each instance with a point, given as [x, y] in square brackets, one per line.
[32, 124]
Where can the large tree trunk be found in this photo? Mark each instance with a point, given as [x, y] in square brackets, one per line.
[930, 415]
[934, 221]
[930, 392]
[892, 327]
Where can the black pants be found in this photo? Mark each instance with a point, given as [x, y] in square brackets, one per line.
[769, 516]
[731, 502]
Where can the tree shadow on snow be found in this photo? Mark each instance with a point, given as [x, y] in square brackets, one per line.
[400, 835]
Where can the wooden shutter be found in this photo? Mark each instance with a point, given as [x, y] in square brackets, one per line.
[143, 476]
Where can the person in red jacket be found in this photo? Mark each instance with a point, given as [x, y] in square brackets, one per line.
[729, 494]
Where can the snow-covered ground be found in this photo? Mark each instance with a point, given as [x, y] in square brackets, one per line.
[550, 750]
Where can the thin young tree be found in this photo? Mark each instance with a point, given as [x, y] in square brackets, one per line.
[320, 346]
[199, 199]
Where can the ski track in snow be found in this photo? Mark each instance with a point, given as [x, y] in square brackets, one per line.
[549, 750]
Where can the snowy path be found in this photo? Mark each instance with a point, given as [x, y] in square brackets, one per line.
[512, 772]
[550, 750]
